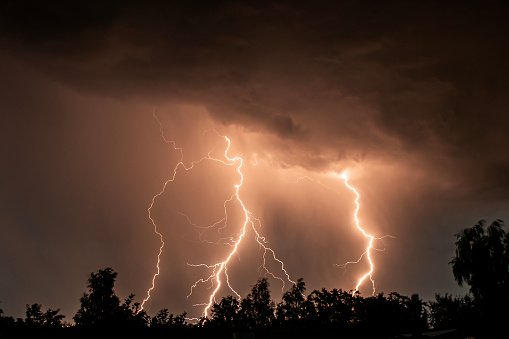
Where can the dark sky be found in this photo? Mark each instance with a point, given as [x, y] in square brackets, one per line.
[410, 97]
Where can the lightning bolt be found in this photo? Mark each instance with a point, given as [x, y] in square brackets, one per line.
[372, 238]
[220, 268]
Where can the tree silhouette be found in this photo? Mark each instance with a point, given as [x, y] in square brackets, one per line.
[321, 314]
[482, 261]
[225, 315]
[451, 312]
[7, 324]
[101, 306]
[257, 308]
[294, 305]
[35, 317]
[162, 319]
[165, 324]
[132, 315]
[417, 313]
[336, 307]
[405, 314]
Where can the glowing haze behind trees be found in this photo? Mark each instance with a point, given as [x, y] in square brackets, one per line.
[218, 274]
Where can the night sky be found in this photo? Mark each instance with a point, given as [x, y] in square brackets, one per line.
[409, 97]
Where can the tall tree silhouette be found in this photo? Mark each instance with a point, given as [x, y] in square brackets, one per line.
[226, 314]
[482, 260]
[293, 307]
[257, 308]
[101, 307]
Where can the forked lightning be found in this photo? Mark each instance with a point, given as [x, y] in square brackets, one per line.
[219, 274]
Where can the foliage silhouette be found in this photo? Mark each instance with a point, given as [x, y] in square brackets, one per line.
[321, 313]
[35, 317]
[294, 305]
[257, 308]
[332, 308]
[164, 324]
[452, 312]
[482, 262]
[225, 315]
[101, 307]
[162, 319]
[6, 325]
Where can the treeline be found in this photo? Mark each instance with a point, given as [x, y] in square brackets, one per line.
[322, 312]
[481, 261]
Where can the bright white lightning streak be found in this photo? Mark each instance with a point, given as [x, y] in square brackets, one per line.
[369, 236]
[221, 267]
[370, 247]
[249, 220]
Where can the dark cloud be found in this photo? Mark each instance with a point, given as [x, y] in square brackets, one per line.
[428, 71]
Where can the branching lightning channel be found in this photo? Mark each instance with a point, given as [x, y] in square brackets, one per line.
[372, 238]
[220, 268]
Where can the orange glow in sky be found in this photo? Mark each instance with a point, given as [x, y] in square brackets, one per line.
[219, 272]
